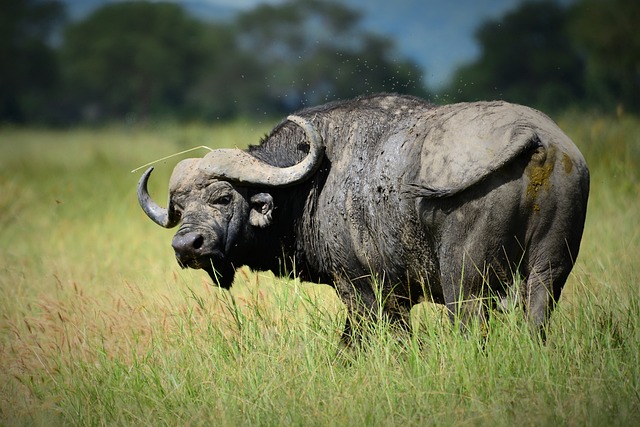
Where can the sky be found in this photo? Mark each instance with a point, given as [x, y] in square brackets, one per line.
[438, 35]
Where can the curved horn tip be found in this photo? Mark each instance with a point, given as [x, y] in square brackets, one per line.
[143, 182]
[161, 216]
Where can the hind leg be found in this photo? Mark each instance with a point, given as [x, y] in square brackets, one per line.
[541, 292]
[547, 265]
[463, 287]
[548, 261]
[557, 203]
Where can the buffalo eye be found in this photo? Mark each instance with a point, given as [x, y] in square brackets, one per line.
[222, 200]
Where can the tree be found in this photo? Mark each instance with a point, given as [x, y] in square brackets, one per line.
[526, 57]
[150, 58]
[132, 58]
[230, 81]
[607, 32]
[312, 51]
[29, 70]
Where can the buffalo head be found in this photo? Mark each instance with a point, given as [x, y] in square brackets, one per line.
[220, 199]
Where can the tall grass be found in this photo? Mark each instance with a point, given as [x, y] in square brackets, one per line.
[99, 326]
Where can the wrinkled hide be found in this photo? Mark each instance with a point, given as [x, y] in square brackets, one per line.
[404, 201]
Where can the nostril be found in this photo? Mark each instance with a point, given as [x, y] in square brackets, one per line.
[197, 241]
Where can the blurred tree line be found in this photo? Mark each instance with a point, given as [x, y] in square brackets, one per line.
[136, 60]
[543, 54]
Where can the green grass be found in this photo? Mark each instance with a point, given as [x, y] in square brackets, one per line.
[99, 326]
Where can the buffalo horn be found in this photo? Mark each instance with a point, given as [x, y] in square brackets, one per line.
[239, 166]
[166, 218]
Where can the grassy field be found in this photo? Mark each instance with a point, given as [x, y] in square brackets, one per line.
[99, 326]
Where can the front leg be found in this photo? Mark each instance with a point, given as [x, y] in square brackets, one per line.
[361, 311]
[366, 305]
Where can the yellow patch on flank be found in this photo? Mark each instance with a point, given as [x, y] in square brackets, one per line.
[539, 173]
[566, 161]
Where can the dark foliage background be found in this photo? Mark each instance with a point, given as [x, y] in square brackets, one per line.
[140, 60]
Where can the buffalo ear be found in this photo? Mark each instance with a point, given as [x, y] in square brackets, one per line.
[261, 210]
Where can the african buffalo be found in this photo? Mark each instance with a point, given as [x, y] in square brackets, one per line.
[391, 200]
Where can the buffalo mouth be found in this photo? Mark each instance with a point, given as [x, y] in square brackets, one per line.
[200, 262]
[220, 271]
